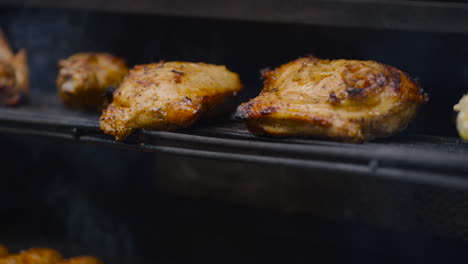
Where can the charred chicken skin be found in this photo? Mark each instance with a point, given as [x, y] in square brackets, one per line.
[14, 74]
[84, 77]
[167, 95]
[42, 256]
[346, 100]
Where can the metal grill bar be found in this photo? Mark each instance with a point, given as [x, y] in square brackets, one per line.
[437, 16]
[417, 159]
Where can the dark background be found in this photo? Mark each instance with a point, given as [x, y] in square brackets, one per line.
[107, 202]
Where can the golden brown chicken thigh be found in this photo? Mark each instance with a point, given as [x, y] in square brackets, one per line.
[346, 100]
[84, 77]
[14, 74]
[167, 95]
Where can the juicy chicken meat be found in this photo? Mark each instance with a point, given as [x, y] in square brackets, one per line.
[14, 74]
[167, 95]
[42, 256]
[462, 117]
[346, 100]
[84, 77]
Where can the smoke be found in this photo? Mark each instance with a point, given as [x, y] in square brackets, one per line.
[47, 36]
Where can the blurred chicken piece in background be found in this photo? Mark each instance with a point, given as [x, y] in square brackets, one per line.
[14, 74]
[84, 77]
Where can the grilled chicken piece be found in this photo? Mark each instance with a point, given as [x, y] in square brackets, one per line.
[167, 95]
[84, 77]
[346, 100]
[81, 260]
[462, 117]
[14, 74]
[33, 256]
[3, 251]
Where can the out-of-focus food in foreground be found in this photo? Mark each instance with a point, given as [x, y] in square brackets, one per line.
[84, 77]
[3, 251]
[14, 74]
[462, 117]
[33, 256]
[42, 256]
[167, 95]
[346, 100]
[81, 260]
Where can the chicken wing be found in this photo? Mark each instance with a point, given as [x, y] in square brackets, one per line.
[84, 77]
[33, 256]
[167, 95]
[346, 100]
[14, 74]
[462, 117]
[3, 251]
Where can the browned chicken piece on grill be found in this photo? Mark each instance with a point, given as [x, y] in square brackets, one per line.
[167, 95]
[81, 260]
[14, 74]
[33, 256]
[3, 251]
[84, 77]
[345, 100]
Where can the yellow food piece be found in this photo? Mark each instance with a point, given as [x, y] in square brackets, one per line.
[462, 117]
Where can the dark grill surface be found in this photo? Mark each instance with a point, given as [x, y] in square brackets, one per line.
[440, 161]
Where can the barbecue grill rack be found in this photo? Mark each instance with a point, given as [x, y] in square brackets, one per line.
[434, 16]
[430, 160]
[407, 183]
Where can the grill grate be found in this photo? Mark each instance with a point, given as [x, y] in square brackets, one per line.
[420, 159]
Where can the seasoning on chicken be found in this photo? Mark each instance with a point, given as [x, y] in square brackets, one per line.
[14, 74]
[167, 95]
[345, 100]
[462, 117]
[33, 256]
[84, 77]
[3, 251]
